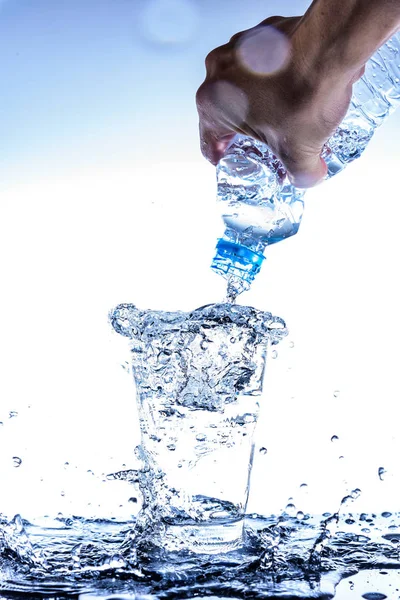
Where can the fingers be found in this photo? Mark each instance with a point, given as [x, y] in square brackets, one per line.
[306, 170]
[222, 107]
[213, 147]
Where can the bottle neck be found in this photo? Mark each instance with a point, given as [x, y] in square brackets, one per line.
[236, 263]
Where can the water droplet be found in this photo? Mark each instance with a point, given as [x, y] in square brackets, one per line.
[386, 515]
[126, 366]
[171, 447]
[374, 596]
[133, 499]
[381, 473]
[304, 485]
[164, 357]
[17, 461]
[200, 437]
[274, 354]
[394, 538]
[263, 450]
[356, 493]
[334, 438]
[300, 515]
[18, 523]
[62, 493]
[12, 414]
[291, 510]
[204, 345]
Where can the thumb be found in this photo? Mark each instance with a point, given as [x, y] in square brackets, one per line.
[213, 143]
[216, 128]
[306, 171]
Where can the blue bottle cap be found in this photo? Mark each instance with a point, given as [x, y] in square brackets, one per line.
[236, 262]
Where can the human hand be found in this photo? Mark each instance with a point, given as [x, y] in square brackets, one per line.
[264, 84]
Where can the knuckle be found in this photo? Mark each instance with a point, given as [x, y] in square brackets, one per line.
[219, 59]
[238, 36]
[272, 20]
[203, 96]
[211, 58]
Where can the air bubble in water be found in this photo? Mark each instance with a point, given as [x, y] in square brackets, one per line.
[12, 414]
[17, 461]
[334, 438]
[263, 450]
[200, 437]
[274, 354]
[304, 485]
[171, 447]
[336, 393]
[291, 344]
[300, 515]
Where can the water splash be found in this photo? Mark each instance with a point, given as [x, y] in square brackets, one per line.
[198, 377]
[282, 555]
[294, 555]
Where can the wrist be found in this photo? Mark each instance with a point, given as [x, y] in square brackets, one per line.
[335, 39]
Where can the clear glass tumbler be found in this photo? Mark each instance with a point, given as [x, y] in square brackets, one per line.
[198, 377]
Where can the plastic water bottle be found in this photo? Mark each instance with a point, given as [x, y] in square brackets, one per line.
[260, 206]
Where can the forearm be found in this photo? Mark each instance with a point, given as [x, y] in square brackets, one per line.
[337, 37]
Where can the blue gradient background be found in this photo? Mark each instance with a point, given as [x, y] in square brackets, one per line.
[105, 198]
[83, 81]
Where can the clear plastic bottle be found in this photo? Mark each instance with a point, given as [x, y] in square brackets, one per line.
[260, 206]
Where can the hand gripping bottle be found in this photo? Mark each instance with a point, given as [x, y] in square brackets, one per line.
[259, 205]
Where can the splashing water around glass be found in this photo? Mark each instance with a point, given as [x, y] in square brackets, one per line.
[198, 376]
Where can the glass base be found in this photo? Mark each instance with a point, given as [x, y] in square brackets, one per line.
[204, 538]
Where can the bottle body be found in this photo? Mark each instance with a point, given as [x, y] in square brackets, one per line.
[259, 205]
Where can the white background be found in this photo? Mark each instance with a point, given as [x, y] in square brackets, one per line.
[102, 205]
